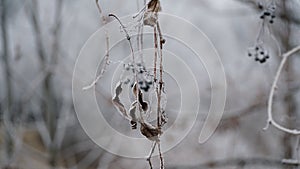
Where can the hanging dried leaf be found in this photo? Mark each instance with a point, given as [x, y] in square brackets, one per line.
[135, 90]
[142, 102]
[133, 116]
[117, 102]
[151, 16]
[150, 131]
[154, 6]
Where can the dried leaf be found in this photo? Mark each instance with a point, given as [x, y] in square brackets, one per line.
[132, 114]
[117, 102]
[135, 90]
[164, 118]
[151, 16]
[150, 131]
[154, 6]
[142, 102]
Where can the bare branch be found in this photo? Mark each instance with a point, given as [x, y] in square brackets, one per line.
[106, 58]
[270, 120]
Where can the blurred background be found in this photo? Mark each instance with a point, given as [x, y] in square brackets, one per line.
[40, 41]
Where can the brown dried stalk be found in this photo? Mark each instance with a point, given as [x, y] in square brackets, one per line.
[159, 92]
[151, 132]
[155, 54]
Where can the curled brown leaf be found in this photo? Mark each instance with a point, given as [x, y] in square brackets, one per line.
[151, 16]
[117, 102]
[133, 116]
[150, 132]
[140, 98]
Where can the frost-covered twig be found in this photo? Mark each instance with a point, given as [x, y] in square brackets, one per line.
[106, 58]
[161, 158]
[150, 155]
[271, 121]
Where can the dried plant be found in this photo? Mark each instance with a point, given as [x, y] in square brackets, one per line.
[106, 58]
[142, 81]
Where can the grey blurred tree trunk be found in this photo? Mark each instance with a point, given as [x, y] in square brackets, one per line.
[7, 104]
[290, 100]
[49, 103]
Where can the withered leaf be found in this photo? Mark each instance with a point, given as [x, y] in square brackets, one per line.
[142, 102]
[136, 90]
[154, 6]
[151, 16]
[117, 102]
[132, 114]
[150, 131]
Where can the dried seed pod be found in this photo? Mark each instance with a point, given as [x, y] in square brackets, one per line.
[150, 131]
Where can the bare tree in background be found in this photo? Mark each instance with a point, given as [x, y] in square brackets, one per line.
[8, 102]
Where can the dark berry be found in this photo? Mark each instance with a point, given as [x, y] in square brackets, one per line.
[263, 60]
[146, 89]
[267, 13]
[133, 124]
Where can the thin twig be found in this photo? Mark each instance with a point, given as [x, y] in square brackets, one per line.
[260, 32]
[159, 114]
[158, 88]
[106, 58]
[140, 39]
[155, 54]
[150, 155]
[141, 11]
[162, 41]
[160, 156]
[270, 120]
[271, 34]
[122, 26]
